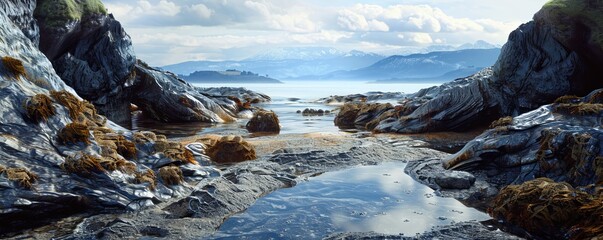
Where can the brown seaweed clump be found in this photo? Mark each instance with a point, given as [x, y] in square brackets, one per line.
[568, 99]
[174, 150]
[264, 121]
[347, 115]
[171, 175]
[548, 209]
[70, 101]
[83, 166]
[125, 148]
[582, 109]
[22, 176]
[14, 66]
[502, 122]
[230, 149]
[147, 176]
[73, 133]
[39, 108]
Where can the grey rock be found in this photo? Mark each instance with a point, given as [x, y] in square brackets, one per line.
[544, 149]
[95, 56]
[455, 180]
[514, 85]
[462, 230]
[369, 96]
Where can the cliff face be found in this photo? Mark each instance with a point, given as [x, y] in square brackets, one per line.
[92, 53]
[559, 53]
[533, 69]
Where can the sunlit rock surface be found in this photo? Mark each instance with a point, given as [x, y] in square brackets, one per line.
[94, 55]
[534, 68]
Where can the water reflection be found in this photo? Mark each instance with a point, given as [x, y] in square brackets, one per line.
[291, 122]
[369, 198]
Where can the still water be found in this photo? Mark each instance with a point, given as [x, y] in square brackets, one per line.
[285, 106]
[379, 198]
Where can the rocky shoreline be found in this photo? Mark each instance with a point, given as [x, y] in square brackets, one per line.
[67, 170]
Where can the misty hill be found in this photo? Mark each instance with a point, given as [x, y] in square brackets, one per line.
[287, 63]
[444, 65]
[228, 76]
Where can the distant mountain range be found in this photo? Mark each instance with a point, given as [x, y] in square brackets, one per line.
[445, 65]
[287, 63]
[228, 76]
[315, 63]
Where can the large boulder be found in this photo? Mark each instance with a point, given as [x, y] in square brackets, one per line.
[559, 53]
[93, 54]
[559, 141]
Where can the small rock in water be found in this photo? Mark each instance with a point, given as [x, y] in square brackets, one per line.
[455, 180]
[442, 218]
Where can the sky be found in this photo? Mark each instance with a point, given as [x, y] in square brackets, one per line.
[172, 31]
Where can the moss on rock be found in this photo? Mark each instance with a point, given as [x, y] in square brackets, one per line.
[57, 13]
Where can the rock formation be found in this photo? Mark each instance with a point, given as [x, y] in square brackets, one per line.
[93, 54]
[58, 156]
[556, 54]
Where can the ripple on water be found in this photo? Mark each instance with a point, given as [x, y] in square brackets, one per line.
[379, 198]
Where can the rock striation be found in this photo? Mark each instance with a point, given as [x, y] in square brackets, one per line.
[93, 54]
[542, 60]
[59, 156]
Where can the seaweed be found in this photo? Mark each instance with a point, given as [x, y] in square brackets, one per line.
[502, 122]
[39, 108]
[230, 149]
[14, 66]
[171, 175]
[70, 101]
[347, 115]
[83, 166]
[264, 121]
[549, 209]
[568, 99]
[73, 133]
[125, 147]
[540, 206]
[22, 176]
[147, 176]
[582, 109]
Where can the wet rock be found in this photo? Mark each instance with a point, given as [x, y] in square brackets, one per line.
[314, 112]
[263, 121]
[359, 115]
[547, 142]
[118, 229]
[514, 85]
[359, 98]
[462, 230]
[455, 180]
[100, 44]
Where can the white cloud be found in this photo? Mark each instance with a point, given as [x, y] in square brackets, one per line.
[202, 11]
[163, 8]
[224, 29]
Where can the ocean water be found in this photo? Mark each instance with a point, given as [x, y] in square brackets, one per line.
[284, 105]
[381, 199]
[312, 90]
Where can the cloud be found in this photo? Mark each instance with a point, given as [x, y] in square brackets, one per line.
[353, 21]
[404, 18]
[168, 31]
[202, 11]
